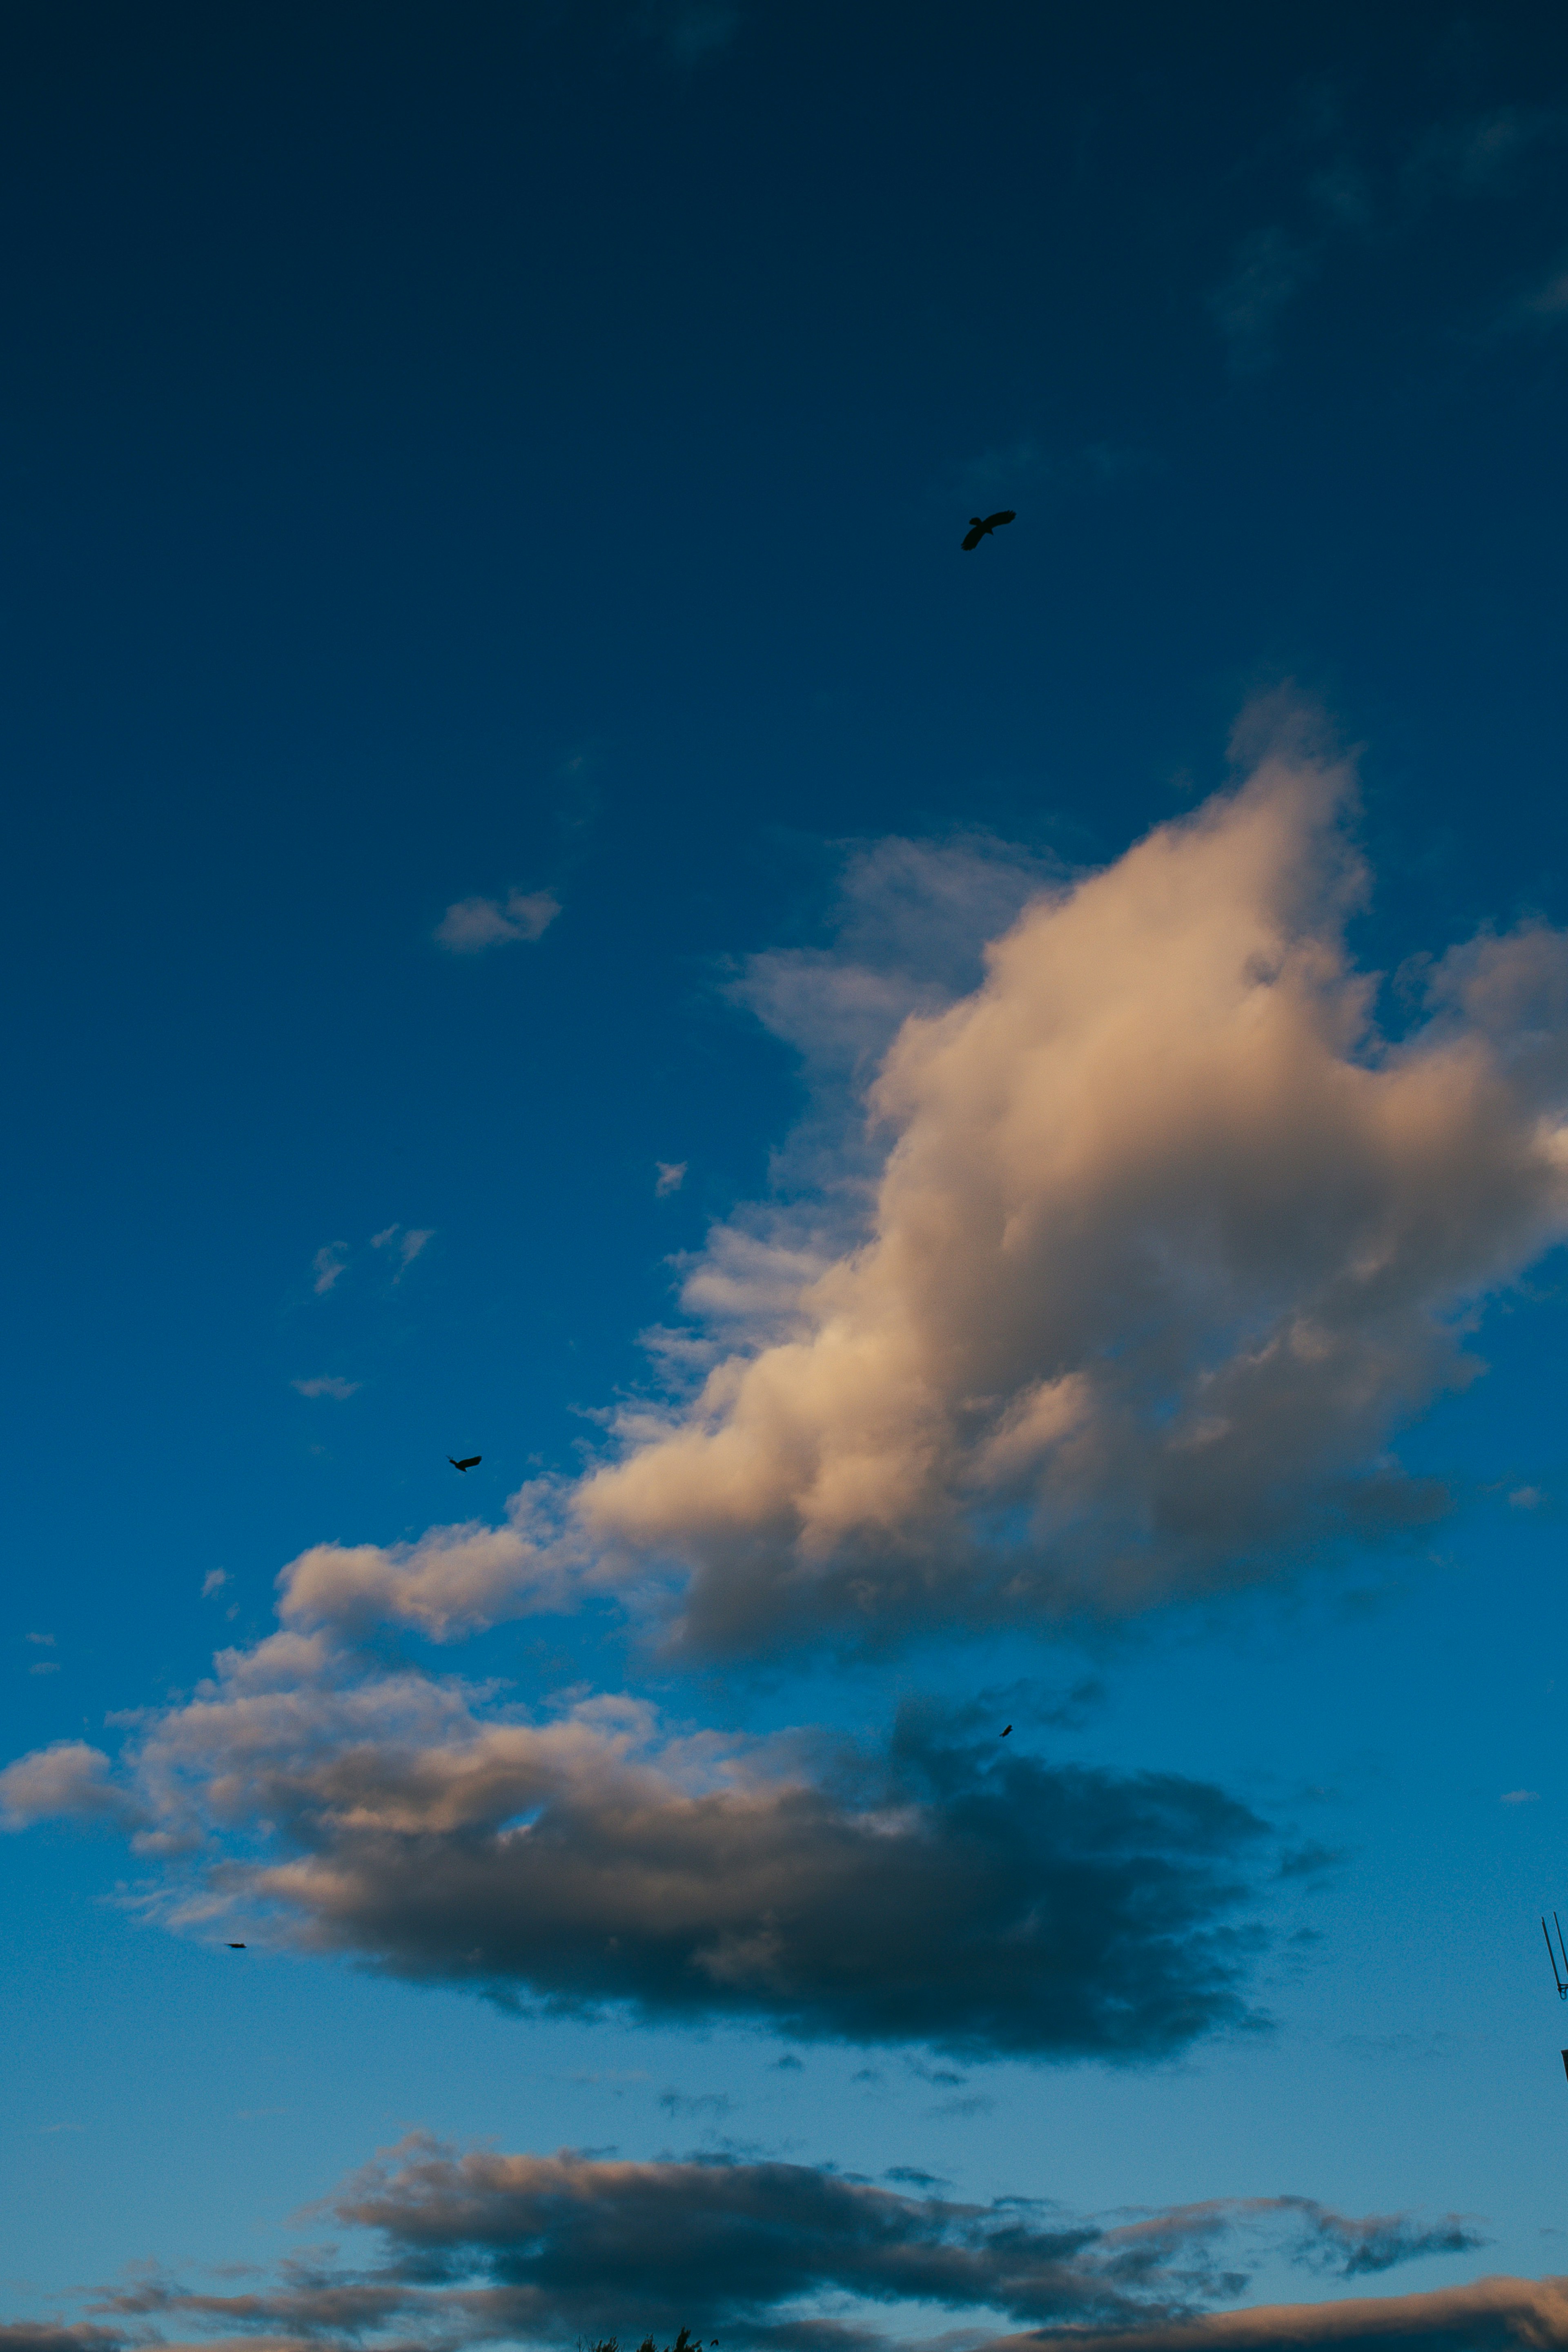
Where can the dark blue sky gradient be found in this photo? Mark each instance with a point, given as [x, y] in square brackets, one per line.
[446, 450]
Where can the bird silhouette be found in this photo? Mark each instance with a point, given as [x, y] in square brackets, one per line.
[468, 1462]
[1005, 1734]
[980, 526]
[237, 1947]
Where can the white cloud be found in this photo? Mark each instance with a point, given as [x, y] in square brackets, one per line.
[69, 1779]
[1520, 1797]
[44, 1640]
[326, 1384]
[671, 1176]
[213, 1582]
[451, 1582]
[328, 1265]
[1150, 1244]
[475, 924]
[1551, 300]
[1165, 1241]
[44, 1666]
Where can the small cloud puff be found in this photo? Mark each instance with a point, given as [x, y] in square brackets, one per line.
[213, 1582]
[408, 1248]
[328, 1264]
[1520, 1797]
[328, 1384]
[44, 1666]
[68, 1778]
[1527, 1498]
[671, 1176]
[44, 1640]
[474, 924]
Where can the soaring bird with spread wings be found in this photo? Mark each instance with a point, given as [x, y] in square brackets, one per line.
[981, 525]
[468, 1462]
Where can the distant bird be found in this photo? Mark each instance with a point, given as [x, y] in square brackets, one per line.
[469, 1462]
[1005, 1734]
[980, 528]
[237, 1947]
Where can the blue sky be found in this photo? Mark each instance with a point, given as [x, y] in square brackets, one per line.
[970, 1138]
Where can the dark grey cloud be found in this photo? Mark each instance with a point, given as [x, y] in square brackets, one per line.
[45, 2335]
[940, 1894]
[941, 1891]
[481, 2246]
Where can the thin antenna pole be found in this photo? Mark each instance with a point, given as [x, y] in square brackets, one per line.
[1561, 1988]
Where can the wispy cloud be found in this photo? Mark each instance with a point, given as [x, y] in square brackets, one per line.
[326, 1384]
[671, 1176]
[42, 1641]
[213, 1582]
[475, 924]
[699, 2103]
[407, 1245]
[1267, 271]
[328, 1265]
[1480, 154]
[1052, 472]
[1520, 1797]
[1546, 304]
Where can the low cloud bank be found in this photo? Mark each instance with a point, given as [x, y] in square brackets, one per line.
[938, 1892]
[480, 2247]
